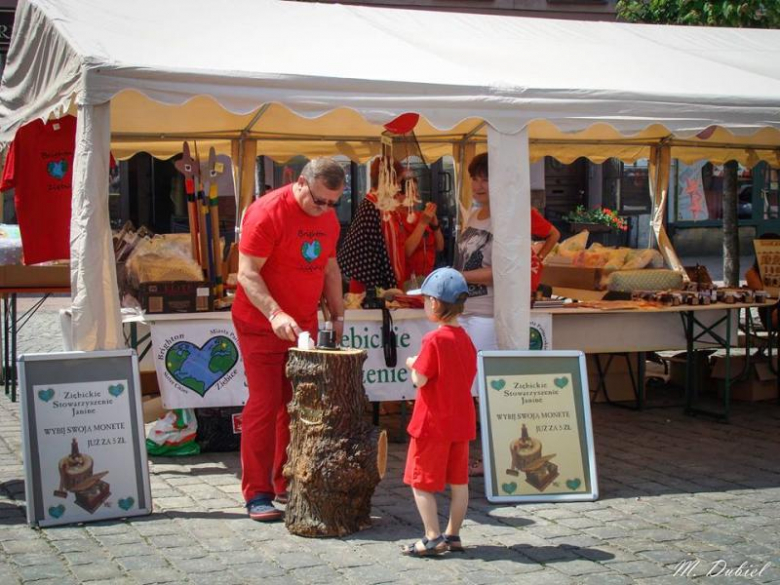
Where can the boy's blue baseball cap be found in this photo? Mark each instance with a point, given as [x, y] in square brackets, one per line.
[445, 284]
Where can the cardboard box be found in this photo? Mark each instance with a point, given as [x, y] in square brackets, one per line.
[556, 275]
[149, 384]
[175, 297]
[616, 378]
[35, 275]
[761, 382]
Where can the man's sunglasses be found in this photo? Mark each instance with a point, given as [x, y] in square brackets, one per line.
[322, 202]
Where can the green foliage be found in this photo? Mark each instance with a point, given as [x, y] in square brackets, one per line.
[733, 13]
[599, 215]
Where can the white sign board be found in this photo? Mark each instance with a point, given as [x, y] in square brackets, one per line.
[198, 364]
[84, 448]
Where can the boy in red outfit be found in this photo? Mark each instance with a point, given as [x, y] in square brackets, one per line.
[443, 421]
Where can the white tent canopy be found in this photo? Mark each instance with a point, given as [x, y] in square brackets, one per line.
[275, 72]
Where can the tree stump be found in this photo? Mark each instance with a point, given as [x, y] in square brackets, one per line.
[333, 465]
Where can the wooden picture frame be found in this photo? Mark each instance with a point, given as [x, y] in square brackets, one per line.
[537, 433]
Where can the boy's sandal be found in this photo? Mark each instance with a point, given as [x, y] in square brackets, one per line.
[433, 547]
[453, 543]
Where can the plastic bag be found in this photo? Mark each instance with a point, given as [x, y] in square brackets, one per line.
[637, 259]
[574, 244]
[163, 258]
[173, 435]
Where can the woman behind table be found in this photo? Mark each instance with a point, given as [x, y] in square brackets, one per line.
[423, 240]
[475, 261]
[373, 254]
[755, 282]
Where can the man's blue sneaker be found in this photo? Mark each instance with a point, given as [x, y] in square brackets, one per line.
[262, 510]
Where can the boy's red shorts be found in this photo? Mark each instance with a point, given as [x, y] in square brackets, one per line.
[433, 463]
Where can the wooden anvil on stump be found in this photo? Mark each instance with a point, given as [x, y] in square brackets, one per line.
[336, 457]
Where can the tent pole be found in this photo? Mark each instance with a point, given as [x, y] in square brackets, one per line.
[510, 206]
[96, 321]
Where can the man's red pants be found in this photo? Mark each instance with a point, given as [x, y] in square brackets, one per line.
[265, 422]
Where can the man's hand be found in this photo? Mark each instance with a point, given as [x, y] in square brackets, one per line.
[285, 327]
[338, 331]
[410, 361]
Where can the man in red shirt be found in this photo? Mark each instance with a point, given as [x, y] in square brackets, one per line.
[287, 260]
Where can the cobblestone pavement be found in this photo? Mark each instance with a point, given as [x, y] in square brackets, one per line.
[673, 489]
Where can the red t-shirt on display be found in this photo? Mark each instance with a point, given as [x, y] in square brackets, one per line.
[444, 408]
[540, 228]
[422, 260]
[297, 247]
[40, 167]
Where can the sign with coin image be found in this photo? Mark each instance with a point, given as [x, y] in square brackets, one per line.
[537, 434]
[84, 447]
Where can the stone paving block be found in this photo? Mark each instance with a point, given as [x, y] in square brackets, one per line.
[578, 567]
[223, 578]
[639, 569]
[12, 547]
[137, 562]
[665, 557]
[29, 559]
[170, 541]
[182, 553]
[84, 558]
[548, 576]
[607, 532]
[207, 564]
[605, 579]
[97, 570]
[318, 574]
[376, 574]
[43, 571]
[264, 570]
[548, 554]
[75, 545]
[153, 576]
[297, 560]
[658, 535]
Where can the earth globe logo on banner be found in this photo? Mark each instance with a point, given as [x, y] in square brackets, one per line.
[536, 341]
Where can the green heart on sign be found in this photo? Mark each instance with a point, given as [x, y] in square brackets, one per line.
[311, 250]
[201, 368]
[56, 511]
[497, 384]
[126, 503]
[561, 382]
[509, 488]
[46, 395]
[573, 484]
[116, 390]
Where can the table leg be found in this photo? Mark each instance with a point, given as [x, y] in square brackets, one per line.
[13, 347]
[687, 318]
[6, 341]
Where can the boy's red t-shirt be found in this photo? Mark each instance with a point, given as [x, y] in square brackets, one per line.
[444, 408]
[297, 247]
[540, 228]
